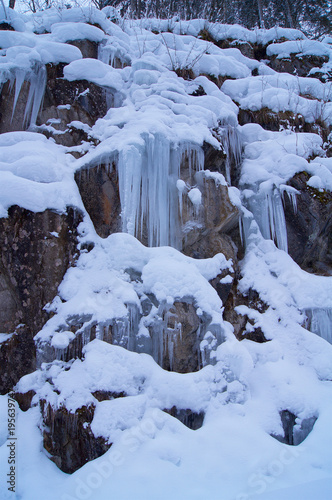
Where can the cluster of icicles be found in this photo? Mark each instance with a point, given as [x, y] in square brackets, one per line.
[151, 196]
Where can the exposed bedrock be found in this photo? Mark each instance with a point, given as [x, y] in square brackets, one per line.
[36, 251]
[309, 230]
[68, 436]
[271, 120]
[99, 190]
[296, 64]
[63, 102]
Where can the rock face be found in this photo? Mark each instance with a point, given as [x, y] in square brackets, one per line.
[99, 190]
[68, 437]
[181, 339]
[36, 250]
[309, 230]
[296, 64]
[17, 357]
[64, 102]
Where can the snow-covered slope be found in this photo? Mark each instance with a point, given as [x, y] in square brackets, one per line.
[145, 324]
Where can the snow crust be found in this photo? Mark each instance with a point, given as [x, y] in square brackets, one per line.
[161, 121]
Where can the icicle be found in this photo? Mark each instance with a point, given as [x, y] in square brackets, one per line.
[319, 321]
[36, 93]
[181, 186]
[268, 211]
[125, 330]
[232, 144]
[37, 81]
[291, 193]
[149, 196]
[20, 75]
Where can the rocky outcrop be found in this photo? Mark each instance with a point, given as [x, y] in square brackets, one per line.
[273, 121]
[244, 327]
[29, 243]
[64, 102]
[181, 338]
[38, 248]
[297, 64]
[17, 357]
[99, 190]
[68, 437]
[309, 230]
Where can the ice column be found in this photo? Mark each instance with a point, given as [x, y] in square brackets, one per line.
[37, 80]
[148, 176]
[268, 211]
[232, 144]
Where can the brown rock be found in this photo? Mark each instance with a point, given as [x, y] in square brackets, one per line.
[100, 194]
[68, 436]
[181, 339]
[32, 265]
[299, 65]
[17, 358]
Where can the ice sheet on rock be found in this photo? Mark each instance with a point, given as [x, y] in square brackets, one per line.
[24, 61]
[148, 140]
[268, 211]
[148, 192]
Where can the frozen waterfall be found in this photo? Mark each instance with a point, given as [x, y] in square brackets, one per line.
[148, 175]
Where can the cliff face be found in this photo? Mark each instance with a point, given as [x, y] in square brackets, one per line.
[168, 195]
